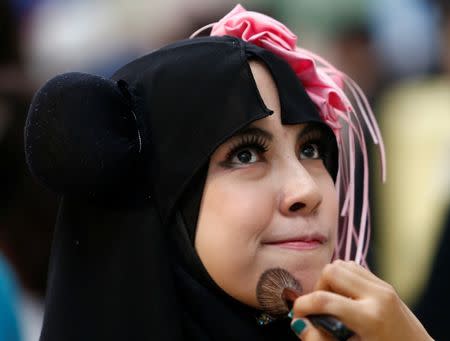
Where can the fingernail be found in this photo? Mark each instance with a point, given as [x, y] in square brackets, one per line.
[291, 314]
[298, 326]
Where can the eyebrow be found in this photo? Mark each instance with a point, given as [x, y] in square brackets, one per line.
[311, 127]
[250, 130]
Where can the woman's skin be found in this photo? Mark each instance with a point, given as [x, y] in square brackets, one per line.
[279, 195]
[365, 303]
[270, 202]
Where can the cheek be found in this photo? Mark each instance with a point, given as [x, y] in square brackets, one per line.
[243, 210]
[329, 211]
[232, 218]
[332, 208]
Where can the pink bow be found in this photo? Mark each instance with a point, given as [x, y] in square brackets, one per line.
[268, 33]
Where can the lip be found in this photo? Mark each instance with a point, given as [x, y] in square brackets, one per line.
[306, 242]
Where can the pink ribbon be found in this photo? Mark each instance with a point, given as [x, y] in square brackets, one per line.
[268, 33]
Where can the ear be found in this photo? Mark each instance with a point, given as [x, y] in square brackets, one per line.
[81, 135]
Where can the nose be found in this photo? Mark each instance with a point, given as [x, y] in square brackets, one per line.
[300, 193]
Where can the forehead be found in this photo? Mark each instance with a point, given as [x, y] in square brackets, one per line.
[193, 95]
[268, 91]
[266, 85]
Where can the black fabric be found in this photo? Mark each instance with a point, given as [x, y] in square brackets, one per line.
[211, 316]
[81, 135]
[190, 86]
[124, 266]
[110, 276]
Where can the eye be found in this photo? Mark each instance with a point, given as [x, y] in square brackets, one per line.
[310, 151]
[247, 150]
[245, 156]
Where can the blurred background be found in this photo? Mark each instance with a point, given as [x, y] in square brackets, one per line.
[397, 51]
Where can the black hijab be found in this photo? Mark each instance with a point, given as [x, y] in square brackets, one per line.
[129, 156]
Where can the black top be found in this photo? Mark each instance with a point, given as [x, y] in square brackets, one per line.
[129, 156]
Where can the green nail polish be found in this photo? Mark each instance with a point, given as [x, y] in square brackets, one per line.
[291, 314]
[298, 326]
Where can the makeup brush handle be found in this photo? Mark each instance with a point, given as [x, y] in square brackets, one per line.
[331, 325]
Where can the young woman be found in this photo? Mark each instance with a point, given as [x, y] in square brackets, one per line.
[191, 172]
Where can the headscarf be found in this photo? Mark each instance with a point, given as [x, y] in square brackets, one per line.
[129, 156]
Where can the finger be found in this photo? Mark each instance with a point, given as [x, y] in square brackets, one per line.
[348, 311]
[364, 272]
[370, 284]
[347, 281]
[306, 331]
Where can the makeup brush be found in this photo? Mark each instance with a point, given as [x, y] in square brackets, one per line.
[276, 292]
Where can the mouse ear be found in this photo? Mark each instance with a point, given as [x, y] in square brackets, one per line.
[81, 135]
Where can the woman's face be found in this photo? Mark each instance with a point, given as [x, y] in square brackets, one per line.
[268, 202]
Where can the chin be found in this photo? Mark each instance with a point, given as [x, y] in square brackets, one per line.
[307, 282]
[308, 276]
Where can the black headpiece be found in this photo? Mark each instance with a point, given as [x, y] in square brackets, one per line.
[124, 153]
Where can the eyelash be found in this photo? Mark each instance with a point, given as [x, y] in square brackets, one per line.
[318, 138]
[257, 142]
[261, 145]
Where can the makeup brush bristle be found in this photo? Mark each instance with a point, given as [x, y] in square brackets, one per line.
[269, 291]
[277, 289]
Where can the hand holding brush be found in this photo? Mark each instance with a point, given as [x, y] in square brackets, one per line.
[348, 302]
